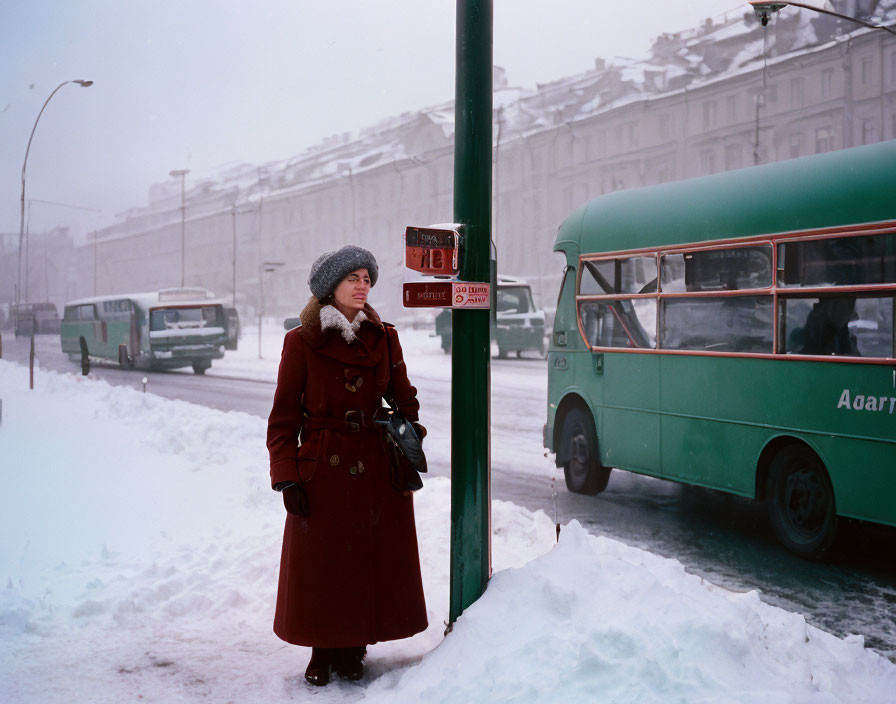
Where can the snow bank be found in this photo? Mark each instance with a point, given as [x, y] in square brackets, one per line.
[139, 545]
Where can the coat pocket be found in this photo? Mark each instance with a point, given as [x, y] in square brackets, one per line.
[307, 457]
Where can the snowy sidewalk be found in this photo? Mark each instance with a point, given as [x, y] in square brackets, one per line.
[139, 544]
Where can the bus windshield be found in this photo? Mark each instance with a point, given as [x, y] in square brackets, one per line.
[181, 318]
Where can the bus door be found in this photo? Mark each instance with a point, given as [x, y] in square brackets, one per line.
[624, 319]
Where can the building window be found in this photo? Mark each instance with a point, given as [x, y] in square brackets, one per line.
[665, 126]
[796, 92]
[827, 80]
[796, 145]
[733, 158]
[868, 132]
[866, 71]
[824, 140]
[709, 114]
[708, 162]
[732, 108]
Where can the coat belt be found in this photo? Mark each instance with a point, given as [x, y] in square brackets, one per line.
[353, 422]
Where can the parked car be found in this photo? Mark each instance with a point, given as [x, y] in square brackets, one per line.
[37, 319]
[520, 325]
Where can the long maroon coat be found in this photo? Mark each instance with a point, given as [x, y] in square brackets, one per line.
[350, 571]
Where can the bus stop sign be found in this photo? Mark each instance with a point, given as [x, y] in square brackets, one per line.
[434, 251]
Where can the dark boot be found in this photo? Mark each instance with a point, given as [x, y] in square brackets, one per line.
[318, 670]
[349, 662]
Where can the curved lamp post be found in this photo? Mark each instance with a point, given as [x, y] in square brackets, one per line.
[83, 84]
[764, 10]
[265, 267]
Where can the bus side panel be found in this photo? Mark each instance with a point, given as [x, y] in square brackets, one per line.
[716, 410]
[118, 332]
[710, 453]
[71, 332]
[863, 473]
[630, 428]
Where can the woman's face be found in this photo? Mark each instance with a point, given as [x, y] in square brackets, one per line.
[351, 293]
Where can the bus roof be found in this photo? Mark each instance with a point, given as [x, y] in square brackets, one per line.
[844, 187]
[154, 299]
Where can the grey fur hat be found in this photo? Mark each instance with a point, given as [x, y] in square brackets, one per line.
[332, 267]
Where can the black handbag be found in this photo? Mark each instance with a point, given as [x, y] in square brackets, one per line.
[405, 446]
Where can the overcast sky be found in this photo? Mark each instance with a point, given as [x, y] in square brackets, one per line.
[197, 84]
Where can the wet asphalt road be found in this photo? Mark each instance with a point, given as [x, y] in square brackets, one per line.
[724, 538]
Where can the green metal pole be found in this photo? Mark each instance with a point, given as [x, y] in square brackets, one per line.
[470, 357]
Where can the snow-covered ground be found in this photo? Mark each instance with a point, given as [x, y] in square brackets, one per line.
[139, 546]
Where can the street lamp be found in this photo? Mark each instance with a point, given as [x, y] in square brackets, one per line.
[83, 84]
[265, 267]
[233, 213]
[182, 173]
[764, 10]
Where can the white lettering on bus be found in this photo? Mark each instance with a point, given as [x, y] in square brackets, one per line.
[861, 402]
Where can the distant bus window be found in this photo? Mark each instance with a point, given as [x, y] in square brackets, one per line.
[168, 318]
[87, 312]
[838, 261]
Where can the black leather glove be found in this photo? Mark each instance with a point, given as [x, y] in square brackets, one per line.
[295, 500]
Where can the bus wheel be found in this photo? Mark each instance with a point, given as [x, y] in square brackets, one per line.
[801, 502]
[200, 365]
[583, 471]
[123, 359]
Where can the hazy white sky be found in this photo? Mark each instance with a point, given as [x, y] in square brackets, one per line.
[200, 83]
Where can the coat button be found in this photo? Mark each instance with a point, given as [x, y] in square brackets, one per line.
[334, 460]
[353, 469]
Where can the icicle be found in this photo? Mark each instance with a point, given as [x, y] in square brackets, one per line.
[556, 521]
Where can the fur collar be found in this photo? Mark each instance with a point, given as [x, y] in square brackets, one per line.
[331, 318]
[320, 321]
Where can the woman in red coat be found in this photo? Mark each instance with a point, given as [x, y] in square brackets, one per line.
[349, 571]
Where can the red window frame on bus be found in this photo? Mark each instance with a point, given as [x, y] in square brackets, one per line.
[774, 290]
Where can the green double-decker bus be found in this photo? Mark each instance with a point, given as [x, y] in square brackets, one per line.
[736, 332]
[163, 329]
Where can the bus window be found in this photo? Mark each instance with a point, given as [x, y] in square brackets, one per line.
[611, 276]
[620, 323]
[711, 324]
[87, 312]
[844, 325]
[731, 269]
[838, 261]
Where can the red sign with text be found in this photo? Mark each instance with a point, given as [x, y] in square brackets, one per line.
[445, 294]
[432, 251]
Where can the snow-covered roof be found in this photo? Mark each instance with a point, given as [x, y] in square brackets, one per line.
[716, 49]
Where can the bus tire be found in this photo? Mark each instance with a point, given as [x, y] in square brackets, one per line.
[124, 360]
[200, 366]
[582, 470]
[800, 502]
